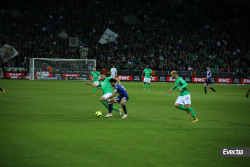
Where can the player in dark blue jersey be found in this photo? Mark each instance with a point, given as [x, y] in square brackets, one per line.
[122, 98]
[208, 81]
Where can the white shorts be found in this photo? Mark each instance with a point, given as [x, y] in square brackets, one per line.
[147, 80]
[107, 95]
[184, 100]
[96, 82]
[112, 75]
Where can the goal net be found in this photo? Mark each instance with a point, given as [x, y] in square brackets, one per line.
[62, 69]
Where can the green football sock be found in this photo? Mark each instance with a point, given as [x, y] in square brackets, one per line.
[192, 112]
[107, 106]
[94, 90]
[144, 86]
[148, 87]
[114, 108]
[181, 107]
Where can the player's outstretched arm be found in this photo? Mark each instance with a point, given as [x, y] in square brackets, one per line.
[173, 88]
[110, 97]
[118, 80]
[94, 85]
[170, 91]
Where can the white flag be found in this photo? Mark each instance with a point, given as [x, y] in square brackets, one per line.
[84, 52]
[7, 52]
[73, 41]
[63, 34]
[108, 36]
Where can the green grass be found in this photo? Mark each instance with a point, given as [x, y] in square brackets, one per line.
[53, 123]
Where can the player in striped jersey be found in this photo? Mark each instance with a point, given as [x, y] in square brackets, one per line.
[208, 81]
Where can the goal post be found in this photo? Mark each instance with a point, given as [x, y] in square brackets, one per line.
[61, 69]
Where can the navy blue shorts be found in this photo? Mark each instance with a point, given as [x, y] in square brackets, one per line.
[208, 82]
[118, 99]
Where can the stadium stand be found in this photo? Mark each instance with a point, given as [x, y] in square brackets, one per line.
[166, 36]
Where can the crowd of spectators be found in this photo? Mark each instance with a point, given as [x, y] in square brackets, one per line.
[168, 37]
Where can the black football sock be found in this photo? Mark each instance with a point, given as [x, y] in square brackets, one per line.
[110, 108]
[213, 89]
[205, 90]
[124, 109]
[1, 89]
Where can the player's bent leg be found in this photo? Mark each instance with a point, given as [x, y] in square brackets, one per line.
[2, 90]
[205, 89]
[94, 92]
[144, 86]
[189, 108]
[114, 108]
[105, 103]
[212, 89]
[181, 107]
[117, 100]
[110, 106]
[179, 103]
[189, 114]
[124, 109]
[176, 105]
[123, 102]
[112, 101]
[102, 98]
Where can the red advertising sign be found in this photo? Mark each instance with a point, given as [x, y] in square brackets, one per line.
[125, 77]
[153, 78]
[50, 75]
[170, 79]
[71, 75]
[8, 74]
[198, 79]
[224, 80]
[14, 77]
[245, 80]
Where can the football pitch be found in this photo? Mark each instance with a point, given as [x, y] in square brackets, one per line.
[53, 124]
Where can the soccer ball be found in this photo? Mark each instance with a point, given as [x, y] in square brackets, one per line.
[98, 113]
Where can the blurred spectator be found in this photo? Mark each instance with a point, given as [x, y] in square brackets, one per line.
[103, 71]
[49, 69]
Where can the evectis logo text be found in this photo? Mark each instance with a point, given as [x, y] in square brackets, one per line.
[232, 152]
